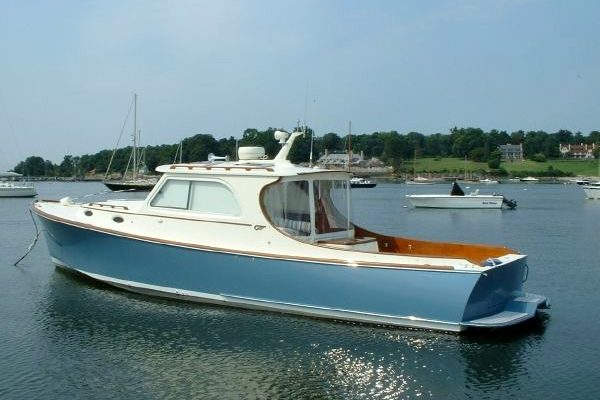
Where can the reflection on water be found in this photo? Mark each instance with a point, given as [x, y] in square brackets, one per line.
[487, 369]
[167, 349]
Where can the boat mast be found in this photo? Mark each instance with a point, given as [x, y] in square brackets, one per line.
[312, 139]
[415, 164]
[349, 144]
[135, 133]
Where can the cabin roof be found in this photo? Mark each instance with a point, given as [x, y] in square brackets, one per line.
[245, 168]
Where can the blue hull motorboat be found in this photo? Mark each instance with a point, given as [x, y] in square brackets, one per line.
[266, 234]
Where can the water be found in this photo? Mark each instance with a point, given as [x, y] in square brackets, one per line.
[62, 337]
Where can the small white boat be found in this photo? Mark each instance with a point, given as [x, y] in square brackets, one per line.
[419, 180]
[582, 182]
[18, 188]
[529, 179]
[269, 235]
[488, 181]
[458, 199]
[592, 190]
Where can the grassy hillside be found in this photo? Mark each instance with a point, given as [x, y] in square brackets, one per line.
[457, 166]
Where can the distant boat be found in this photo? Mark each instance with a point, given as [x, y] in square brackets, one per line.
[592, 191]
[419, 180]
[458, 199]
[15, 188]
[134, 185]
[357, 182]
[582, 182]
[138, 183]
[529, 179]
[488, 181]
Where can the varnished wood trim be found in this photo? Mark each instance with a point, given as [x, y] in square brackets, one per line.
[475, 253]
[226, 168]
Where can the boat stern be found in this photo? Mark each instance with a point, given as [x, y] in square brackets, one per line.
[498, 298]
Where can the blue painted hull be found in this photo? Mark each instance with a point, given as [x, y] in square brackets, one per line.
[447, 300]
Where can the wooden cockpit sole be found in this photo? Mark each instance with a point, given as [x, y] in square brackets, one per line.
[475, 253]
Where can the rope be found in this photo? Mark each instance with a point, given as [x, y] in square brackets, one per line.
[37, 235]
[38, 232]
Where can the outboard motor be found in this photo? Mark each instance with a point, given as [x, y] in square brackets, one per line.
[456, 190]
[512, 203]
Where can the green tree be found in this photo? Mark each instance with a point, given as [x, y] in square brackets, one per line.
[266, 139]
[32, 166]
[66, 167]
[332, 143]
[495, 159]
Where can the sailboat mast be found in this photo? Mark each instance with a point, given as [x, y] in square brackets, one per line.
[135, 133]
[349, 144]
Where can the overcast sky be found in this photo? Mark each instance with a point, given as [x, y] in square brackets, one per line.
[68, 68]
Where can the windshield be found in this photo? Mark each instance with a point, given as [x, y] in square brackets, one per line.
[332, 207]
[312, 209]
[287, 205]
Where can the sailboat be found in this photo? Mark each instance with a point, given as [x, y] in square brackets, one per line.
[138, 182]
[418, 180]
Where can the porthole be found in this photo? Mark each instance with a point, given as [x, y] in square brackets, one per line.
[88, 213]
[118, 219]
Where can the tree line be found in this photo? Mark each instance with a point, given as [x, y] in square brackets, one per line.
[391, 147]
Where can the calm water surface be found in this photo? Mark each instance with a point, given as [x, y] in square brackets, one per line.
[62, 337]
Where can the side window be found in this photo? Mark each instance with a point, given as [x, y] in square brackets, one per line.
[214, 198]
[200, 196]
[173, 194]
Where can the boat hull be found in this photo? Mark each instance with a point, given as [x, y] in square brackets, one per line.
[130, 186]
[422, 298]
[18, 192]
[465, 202]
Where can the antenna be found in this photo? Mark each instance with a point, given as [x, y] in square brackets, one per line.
[135, 133]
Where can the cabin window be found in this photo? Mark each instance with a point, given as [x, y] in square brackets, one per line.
[174, 193]
[213, 197]
[331, 206]
[199, 196]
[288, 207]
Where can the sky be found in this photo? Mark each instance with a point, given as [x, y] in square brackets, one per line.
[68, 69]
